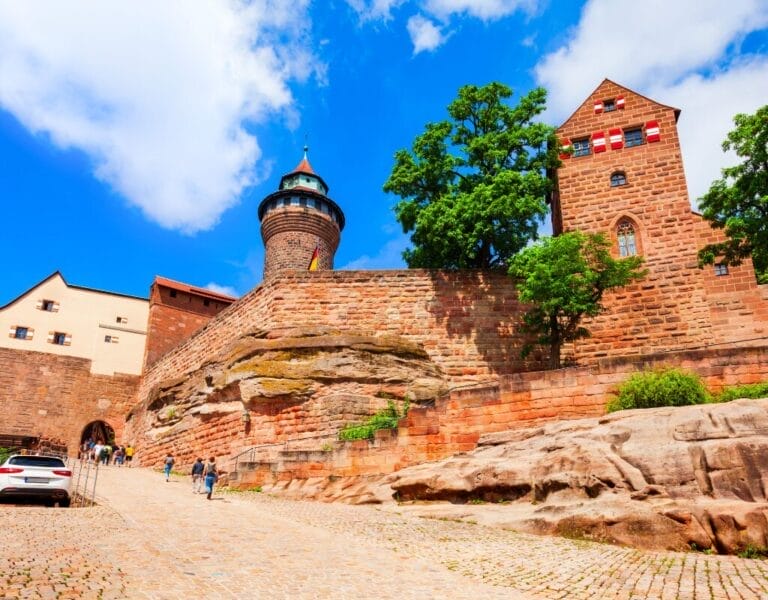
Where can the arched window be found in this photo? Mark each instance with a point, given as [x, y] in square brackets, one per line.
[618, 178]
[625, 233]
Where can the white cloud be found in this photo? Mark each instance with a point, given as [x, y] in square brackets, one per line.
[482, 9]
[369, 10]
[222, 289]
[425, 35]
[679, 53]
[390, 256]
[157, 93]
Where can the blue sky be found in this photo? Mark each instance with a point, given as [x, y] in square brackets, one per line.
[137, 139]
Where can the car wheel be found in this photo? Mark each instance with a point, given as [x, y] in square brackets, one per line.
[64, 503]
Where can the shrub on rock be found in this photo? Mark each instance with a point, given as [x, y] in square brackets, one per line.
[658, 388]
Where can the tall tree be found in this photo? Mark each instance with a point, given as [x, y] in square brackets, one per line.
[474, 188]
[738, 201]
[564, 279]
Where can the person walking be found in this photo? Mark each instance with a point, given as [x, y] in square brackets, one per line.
[197, 476]
[211, 475]
[169, 462]
[129, 450]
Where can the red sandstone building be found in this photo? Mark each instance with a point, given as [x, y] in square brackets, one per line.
[623, 176]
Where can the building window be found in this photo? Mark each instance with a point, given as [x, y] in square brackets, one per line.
[21, 333]
[122, 320]
[633, 137]
[625, 232]
[721, 269]
[618, 178]
[581, 147]
[609, 105]
[206, 302]
[108, 339]
[173, 293]
[59, 338]
[48, 305]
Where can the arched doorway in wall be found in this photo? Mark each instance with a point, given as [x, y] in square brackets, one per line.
[98, 431]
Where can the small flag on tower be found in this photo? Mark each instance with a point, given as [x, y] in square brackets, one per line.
[315, 260]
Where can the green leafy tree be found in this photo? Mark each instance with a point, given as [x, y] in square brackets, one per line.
[474, 188]
[738, 202]
[564, 279]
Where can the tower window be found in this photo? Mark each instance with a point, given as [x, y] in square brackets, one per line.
[721, 269]
[47, 305]
[609, 105]
[173, 293]
[625, 232]
[618, 178]
[581, 147]
[206, 302]
[21, 333]
[59, 338]
[633, 137]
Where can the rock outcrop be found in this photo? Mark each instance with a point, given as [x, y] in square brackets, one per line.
[291, 383]
[670, 478]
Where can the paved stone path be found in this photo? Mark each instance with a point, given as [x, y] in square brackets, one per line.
[151, 539]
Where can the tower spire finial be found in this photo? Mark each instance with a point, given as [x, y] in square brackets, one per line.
[306, 147]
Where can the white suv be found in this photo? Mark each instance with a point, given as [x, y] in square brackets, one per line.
[46, 477]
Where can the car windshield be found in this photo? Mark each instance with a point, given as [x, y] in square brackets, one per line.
[36, 461]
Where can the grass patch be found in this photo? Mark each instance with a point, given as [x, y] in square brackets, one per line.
[386, 418]
[753, 552]
[752, 390]
[658, 388]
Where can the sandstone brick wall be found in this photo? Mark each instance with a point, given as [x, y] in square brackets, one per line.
[174, 315]
[54, 397]
[519, 400]
[678, 305]
[464, 320]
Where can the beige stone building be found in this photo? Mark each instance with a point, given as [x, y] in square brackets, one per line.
[55, 317]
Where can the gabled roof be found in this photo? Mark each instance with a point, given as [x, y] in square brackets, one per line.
[626, 89]
[190, 289]
[74, 287]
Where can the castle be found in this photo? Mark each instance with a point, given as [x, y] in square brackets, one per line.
[274, 366]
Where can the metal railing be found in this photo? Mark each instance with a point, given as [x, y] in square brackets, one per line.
[85, 476]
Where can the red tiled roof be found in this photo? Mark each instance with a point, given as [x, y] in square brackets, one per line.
[304, 167]
[190, 289]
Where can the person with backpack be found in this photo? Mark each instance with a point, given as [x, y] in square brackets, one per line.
[211, 476]
[197, 476]
[168, 466]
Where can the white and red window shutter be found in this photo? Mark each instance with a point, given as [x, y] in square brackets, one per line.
[616, 138]
[50, 336]
[598, 106]
[55, 307]
[652, 131]
[30, 333]
[12, 331]
[67, 339]
[565, 149]
[620, 102]
[598, 142]
[39, 305]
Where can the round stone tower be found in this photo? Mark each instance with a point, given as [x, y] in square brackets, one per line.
[300, 222]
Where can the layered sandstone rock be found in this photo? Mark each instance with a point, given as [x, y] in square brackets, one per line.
[293, 383]
[662, 478]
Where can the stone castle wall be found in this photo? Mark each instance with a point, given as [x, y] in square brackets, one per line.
[464, 320]
[521, 400]
[54, 397]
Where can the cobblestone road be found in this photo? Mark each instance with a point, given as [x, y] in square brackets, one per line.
[152, 539]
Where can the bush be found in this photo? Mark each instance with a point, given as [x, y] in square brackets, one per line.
[753, 390]
[384, 419]
[4, 454]
[652, 389]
